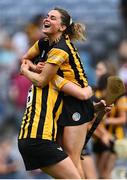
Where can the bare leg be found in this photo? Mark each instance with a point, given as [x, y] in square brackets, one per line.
[73, 141]
[89, 167]
[102, 160]
[109, 164]
[64, 169]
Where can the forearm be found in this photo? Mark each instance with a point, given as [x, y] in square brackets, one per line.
[116, 121]
[76, 91]
[33, 77]
[42, 79]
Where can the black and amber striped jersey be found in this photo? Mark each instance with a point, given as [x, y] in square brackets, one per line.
[42, 112]
[45, 105]
[65, 55]
[120, 105]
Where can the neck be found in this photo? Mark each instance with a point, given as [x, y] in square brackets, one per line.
[54, 38]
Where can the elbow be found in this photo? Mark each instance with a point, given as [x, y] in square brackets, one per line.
[84, 96]
[87, 94]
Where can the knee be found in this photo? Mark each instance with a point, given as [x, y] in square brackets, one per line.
[75, 157]
[72, 152]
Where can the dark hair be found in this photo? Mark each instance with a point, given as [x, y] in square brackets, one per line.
[76, 31]
[102, 83]
[110, 67]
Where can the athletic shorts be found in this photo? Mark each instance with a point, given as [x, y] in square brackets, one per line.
[75, 112]
[99, 147]
[38, 153]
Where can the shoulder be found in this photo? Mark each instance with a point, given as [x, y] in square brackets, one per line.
[62, 45]
[122, 102]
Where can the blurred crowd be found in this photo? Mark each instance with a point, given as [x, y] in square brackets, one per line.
[13, 93]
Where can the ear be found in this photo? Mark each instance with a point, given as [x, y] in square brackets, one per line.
[62, 28]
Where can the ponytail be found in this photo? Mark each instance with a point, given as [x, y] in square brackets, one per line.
[76, 31]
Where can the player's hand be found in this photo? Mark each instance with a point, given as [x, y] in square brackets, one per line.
[24, 66]
[100, 106]
[39, 67]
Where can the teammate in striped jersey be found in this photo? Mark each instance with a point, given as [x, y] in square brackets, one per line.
[39, 126]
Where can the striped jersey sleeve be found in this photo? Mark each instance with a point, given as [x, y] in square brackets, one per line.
[59, 82]
[57, 56]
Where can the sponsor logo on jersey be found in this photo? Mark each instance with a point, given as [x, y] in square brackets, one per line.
[76, 116]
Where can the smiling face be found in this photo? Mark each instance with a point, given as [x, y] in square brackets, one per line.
[52, 24]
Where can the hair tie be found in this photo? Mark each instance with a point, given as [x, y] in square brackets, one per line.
[71, 21]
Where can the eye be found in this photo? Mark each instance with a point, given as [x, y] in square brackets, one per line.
[53, 18]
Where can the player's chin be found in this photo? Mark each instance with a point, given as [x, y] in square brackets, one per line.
[46, 31]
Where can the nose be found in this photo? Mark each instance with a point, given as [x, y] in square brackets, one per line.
[47, 18]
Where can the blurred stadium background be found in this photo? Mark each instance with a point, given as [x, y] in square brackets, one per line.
[106, 28]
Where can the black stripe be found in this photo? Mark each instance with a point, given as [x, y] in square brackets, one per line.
[45, 91]
[32, 113]
[60, 72]
[114, 130]
[57, 104]
[43, 44]
[74, 67]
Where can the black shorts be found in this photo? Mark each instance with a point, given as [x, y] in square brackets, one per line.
[38, 153]
[75, 112]
[99, 147]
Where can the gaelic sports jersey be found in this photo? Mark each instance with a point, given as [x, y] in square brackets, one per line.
[65, 55]
[119, 106]
[45, 105]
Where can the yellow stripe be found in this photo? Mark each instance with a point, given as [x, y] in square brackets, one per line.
[22, 125]
[34, 49]
[119, 132]
[48, 125]
[68, 72]
[57, 117]
[27, 124]
[113, 111]
[110, 129]
[122, 103]
[37, 113]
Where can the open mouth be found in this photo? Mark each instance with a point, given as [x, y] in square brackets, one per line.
[46, 25]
